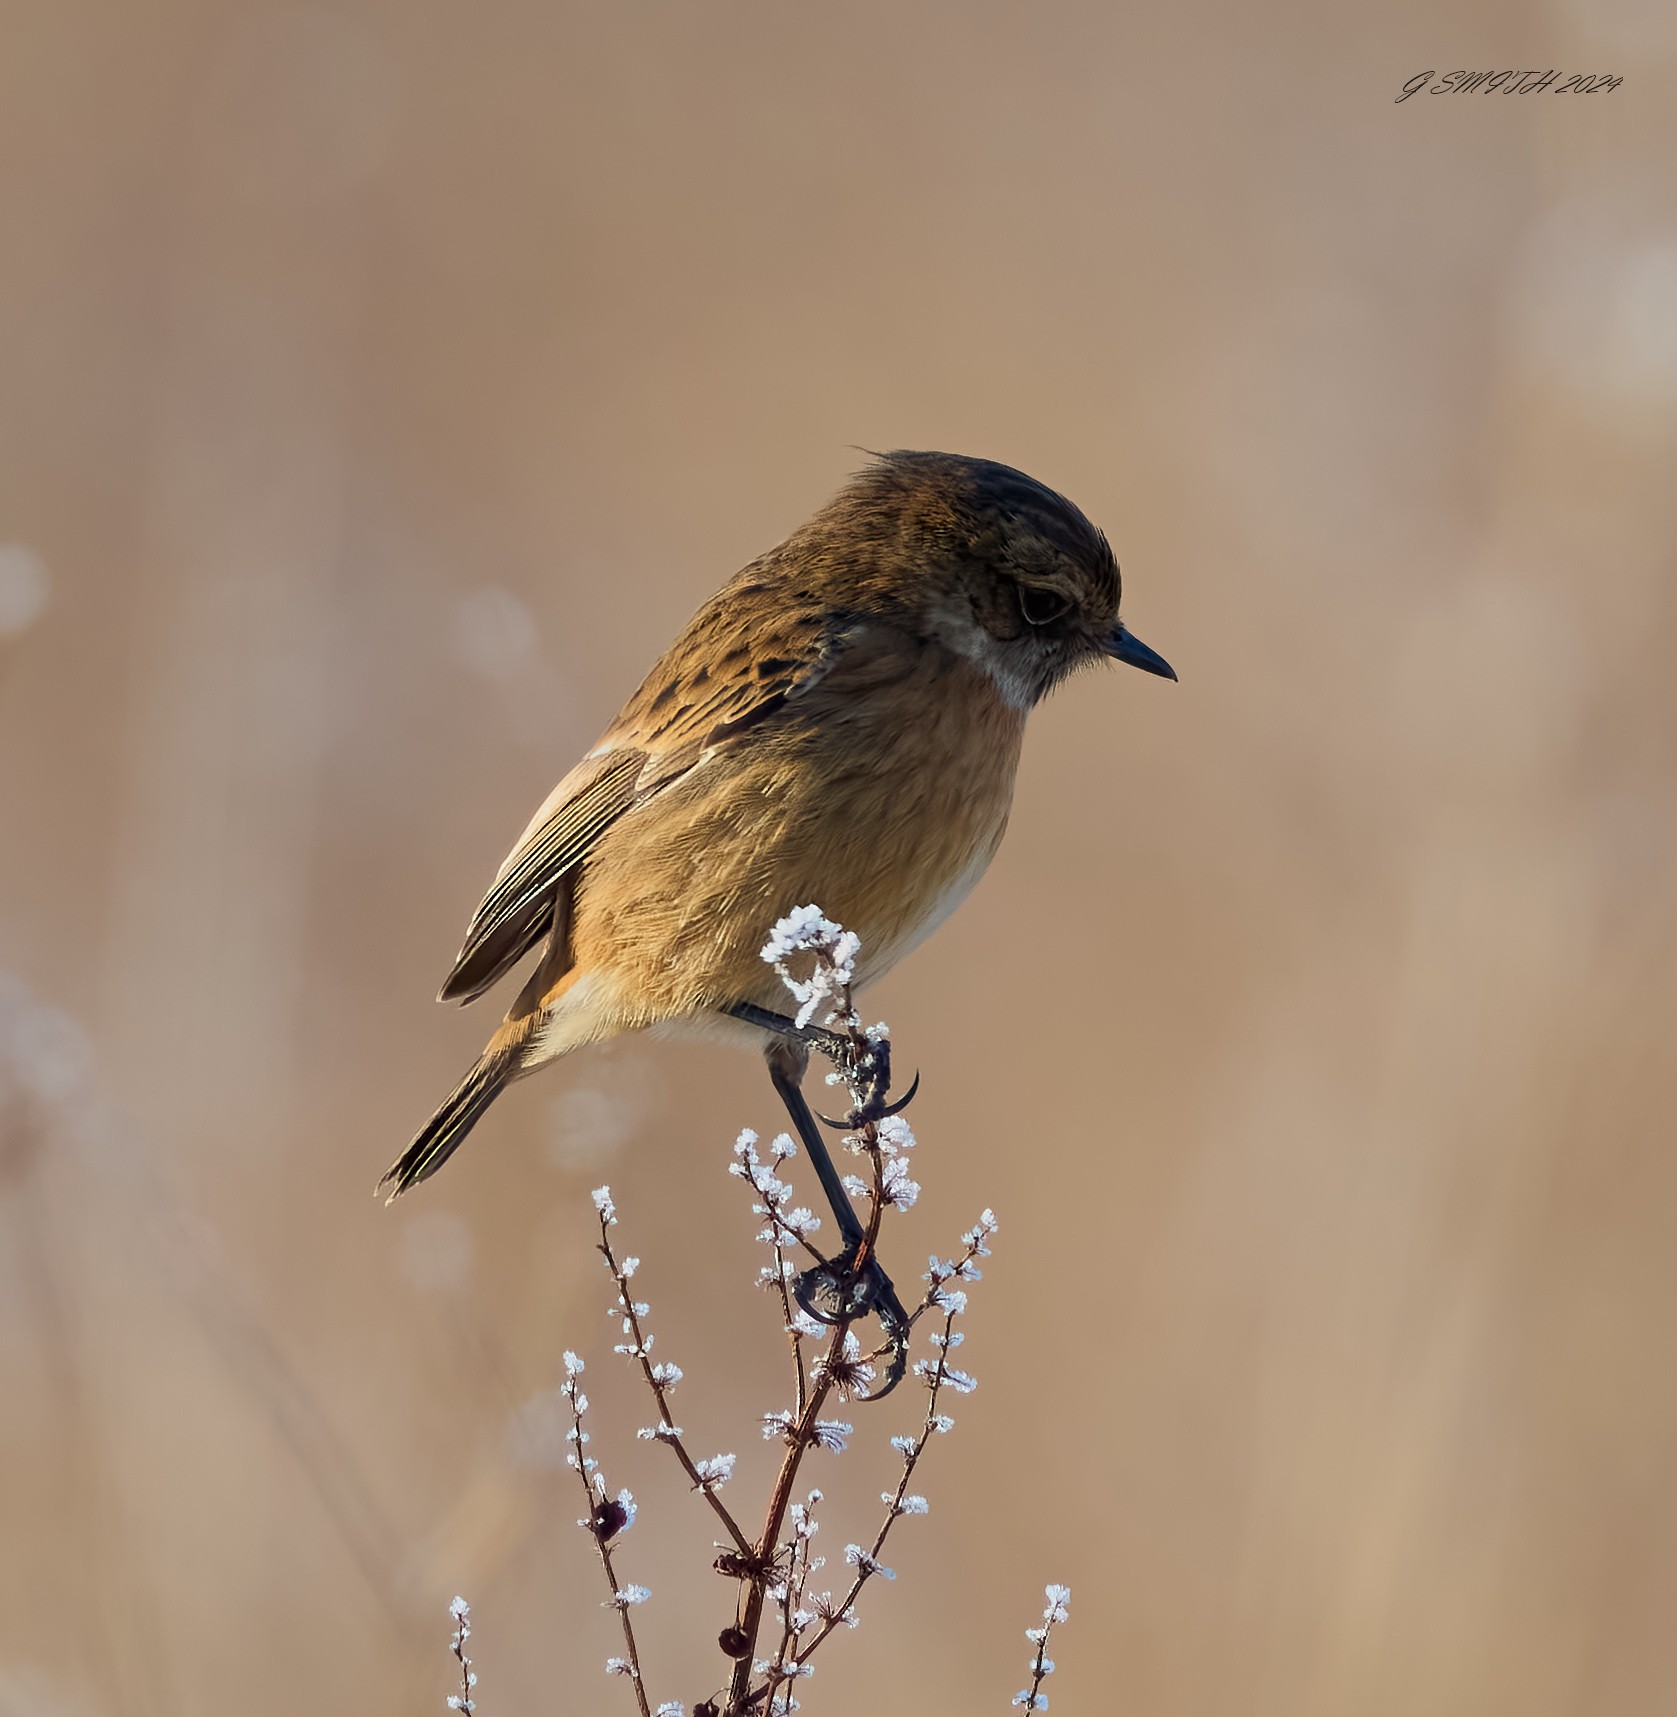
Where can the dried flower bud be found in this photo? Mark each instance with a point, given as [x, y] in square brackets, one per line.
[733, 1642]
[608, 1519]
[705, 1708]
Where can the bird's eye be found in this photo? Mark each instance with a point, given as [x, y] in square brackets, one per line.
[1041, 606]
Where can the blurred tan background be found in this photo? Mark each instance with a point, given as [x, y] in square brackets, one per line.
[385, 381]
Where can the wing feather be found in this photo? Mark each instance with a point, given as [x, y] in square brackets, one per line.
[518, 910]
[737, 664]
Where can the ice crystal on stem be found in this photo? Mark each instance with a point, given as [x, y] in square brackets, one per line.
[1032, 1698]
[715, 1469]
[607, 1517]
[808, 930]
[465, 1700]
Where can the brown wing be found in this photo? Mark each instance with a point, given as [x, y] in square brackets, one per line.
[740, 659]
[518, 910]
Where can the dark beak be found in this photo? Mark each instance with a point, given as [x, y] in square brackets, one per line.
[1124, 646]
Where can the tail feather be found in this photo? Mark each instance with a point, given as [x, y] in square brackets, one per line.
[443, 1134]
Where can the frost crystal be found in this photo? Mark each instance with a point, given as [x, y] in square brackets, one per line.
[603, 1204]
[895, 1135]
[900, 1188]
[976, 1236]
[462, 1701]
[849, 1371]
[716, 1470]
[932, 1372]
[1041, 1664]
[807, 930]
[865, 1562]
[628, 1595]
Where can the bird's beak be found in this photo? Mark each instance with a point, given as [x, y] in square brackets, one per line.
[1124, 646]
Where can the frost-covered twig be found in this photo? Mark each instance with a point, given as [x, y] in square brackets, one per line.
[465, 1700]
[775, 1569]
[832, 950]
[706, 1476]
[607, 1517]
[937, 1375]
[1032, 1698]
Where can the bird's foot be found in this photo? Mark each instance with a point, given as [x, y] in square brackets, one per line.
[874, 1108]
[837, 1292]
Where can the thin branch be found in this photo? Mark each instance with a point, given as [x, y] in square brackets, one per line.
[1032, 1698]
[464, 1701]
[799, 1568]
[800, 1439]
[952, 1301]
[639, 1348]
[793, 1334]
[602, 1525]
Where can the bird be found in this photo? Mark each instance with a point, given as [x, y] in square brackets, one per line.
[840, 724]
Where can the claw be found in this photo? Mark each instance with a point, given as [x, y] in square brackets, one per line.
[830, 1294]
[861, 1117]
[903, 1101]
[896, 1370]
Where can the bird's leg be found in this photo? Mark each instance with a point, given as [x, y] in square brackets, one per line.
[830, 1293]
[835, 1291]
[835, 1045]
[786, 1064]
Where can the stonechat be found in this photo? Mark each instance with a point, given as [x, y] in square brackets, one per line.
[841, 724]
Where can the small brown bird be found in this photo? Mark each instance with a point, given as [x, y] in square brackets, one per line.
[840, 724]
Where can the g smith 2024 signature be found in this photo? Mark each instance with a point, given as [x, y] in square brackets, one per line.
[1509, 83]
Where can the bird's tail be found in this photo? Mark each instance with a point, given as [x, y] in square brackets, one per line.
[443, 1134]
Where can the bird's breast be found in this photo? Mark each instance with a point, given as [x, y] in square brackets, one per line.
[898, 802]
[881, 797]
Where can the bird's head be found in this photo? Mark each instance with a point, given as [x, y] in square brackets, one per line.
[992, 564]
